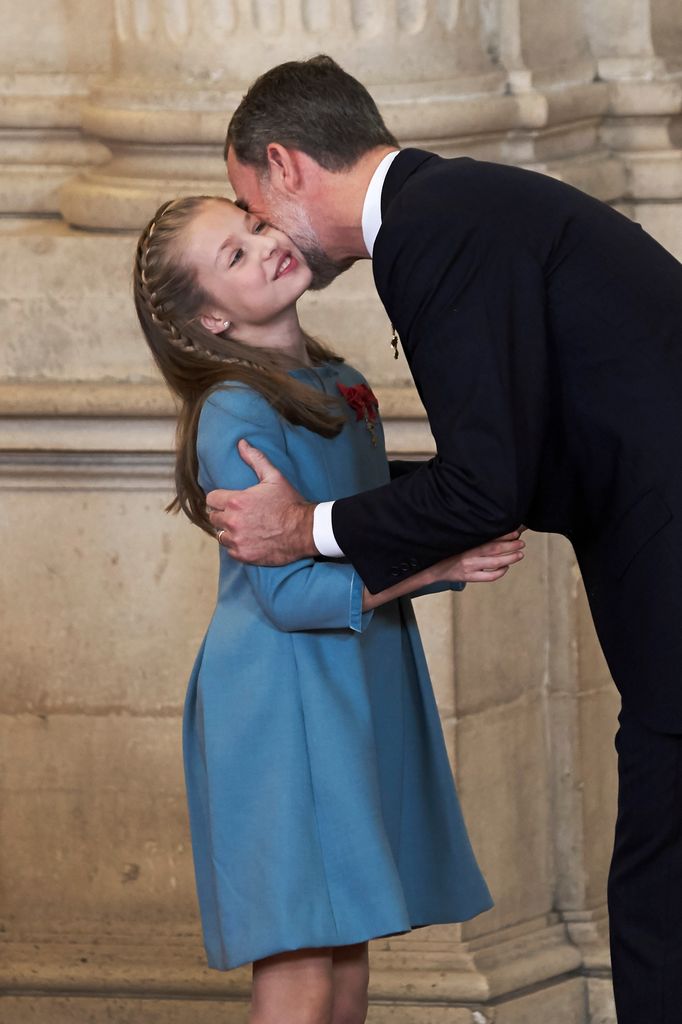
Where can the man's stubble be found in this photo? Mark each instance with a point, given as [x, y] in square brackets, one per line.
[290, 217]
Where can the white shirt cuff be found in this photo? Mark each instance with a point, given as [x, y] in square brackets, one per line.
[323, 534]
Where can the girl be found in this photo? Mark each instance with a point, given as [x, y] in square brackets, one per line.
[322, 806]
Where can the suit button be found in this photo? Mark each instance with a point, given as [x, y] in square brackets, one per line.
[404, 566]
[395, 571]
[414, 563]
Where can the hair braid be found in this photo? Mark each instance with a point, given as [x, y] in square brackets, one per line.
[158, 311]
[194, 361]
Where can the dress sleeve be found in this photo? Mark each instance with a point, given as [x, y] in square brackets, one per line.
[306, 594]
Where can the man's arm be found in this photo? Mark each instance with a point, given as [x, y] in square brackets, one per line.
[477, 349]
[323, 530]
[401, 467]
[307, 593]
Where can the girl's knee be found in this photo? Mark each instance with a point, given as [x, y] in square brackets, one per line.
[351, 1010]
[351, 980]
[293, 988]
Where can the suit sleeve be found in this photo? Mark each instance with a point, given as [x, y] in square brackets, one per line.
[401, 467]
[471, 306]
[306, 594]
[439, 587]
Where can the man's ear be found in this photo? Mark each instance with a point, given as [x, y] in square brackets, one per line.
[284, 168]
[214, 323]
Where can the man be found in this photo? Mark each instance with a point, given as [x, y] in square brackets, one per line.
[544, 334]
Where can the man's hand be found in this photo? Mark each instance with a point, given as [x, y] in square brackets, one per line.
[267, 524]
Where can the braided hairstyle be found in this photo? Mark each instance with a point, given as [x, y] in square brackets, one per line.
[194, 361]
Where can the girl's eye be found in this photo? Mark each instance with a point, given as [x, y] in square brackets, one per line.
[238, 253]
[260, 226]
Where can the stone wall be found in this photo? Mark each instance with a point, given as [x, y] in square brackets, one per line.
[105, 110]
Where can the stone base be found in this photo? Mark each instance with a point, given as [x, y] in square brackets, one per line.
[563, 1005]
[527, 979]
[602, 1009]
[47, 1009]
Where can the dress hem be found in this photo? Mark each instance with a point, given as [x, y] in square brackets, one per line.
[351, 941]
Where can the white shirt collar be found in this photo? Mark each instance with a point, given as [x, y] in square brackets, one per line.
[371, 209]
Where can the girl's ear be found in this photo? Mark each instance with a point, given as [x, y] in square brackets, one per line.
[214, 323]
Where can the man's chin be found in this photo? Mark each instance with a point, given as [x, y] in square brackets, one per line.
[324, 270]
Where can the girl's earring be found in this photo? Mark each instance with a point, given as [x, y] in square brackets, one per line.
[226, 324]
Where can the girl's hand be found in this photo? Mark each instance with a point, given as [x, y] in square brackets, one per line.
[483, 564]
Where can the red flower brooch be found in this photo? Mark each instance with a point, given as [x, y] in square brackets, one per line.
[364, 404]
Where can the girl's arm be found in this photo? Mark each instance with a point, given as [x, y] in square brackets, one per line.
[483, 564]
[305, 594]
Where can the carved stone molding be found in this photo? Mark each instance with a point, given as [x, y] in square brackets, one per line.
[48, 64]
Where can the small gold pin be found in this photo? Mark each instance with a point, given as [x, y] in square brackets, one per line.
[394, 342]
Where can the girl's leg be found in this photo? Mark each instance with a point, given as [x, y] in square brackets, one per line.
[350, 968]
[293, 988]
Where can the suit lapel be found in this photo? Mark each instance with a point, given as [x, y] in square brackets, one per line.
[403, 167]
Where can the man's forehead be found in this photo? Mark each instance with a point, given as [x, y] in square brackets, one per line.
[239, 172]
[246, 184]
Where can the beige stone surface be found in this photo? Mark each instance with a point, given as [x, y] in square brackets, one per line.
[68, 36]
[113, 602]
[598, 722]
[602, 1009]
[90, 1010]
[48, 62]
[435, 620]
[106, 110]
[664, 222]
[559, 1004]
[501, 634]
[503, 785]
[99, 836]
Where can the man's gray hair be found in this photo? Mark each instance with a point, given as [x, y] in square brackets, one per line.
[311, 105]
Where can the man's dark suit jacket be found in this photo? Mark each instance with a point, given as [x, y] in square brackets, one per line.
[543, 330]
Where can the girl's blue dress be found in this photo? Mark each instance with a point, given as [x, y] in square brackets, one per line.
[322, 806]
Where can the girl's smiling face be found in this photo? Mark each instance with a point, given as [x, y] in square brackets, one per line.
[252, 272]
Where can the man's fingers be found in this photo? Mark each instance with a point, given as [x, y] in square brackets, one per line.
[221, 517]
[258, 462]
[216, 501]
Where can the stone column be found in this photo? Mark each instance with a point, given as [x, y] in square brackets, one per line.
[638, 44]
[181, 68]
[551, 76]
[48, 62]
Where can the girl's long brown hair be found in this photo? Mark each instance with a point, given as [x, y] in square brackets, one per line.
[194, 361]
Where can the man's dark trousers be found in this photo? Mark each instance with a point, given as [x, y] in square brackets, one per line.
[645, 882]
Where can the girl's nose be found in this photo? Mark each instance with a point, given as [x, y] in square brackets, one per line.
[269, 245]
